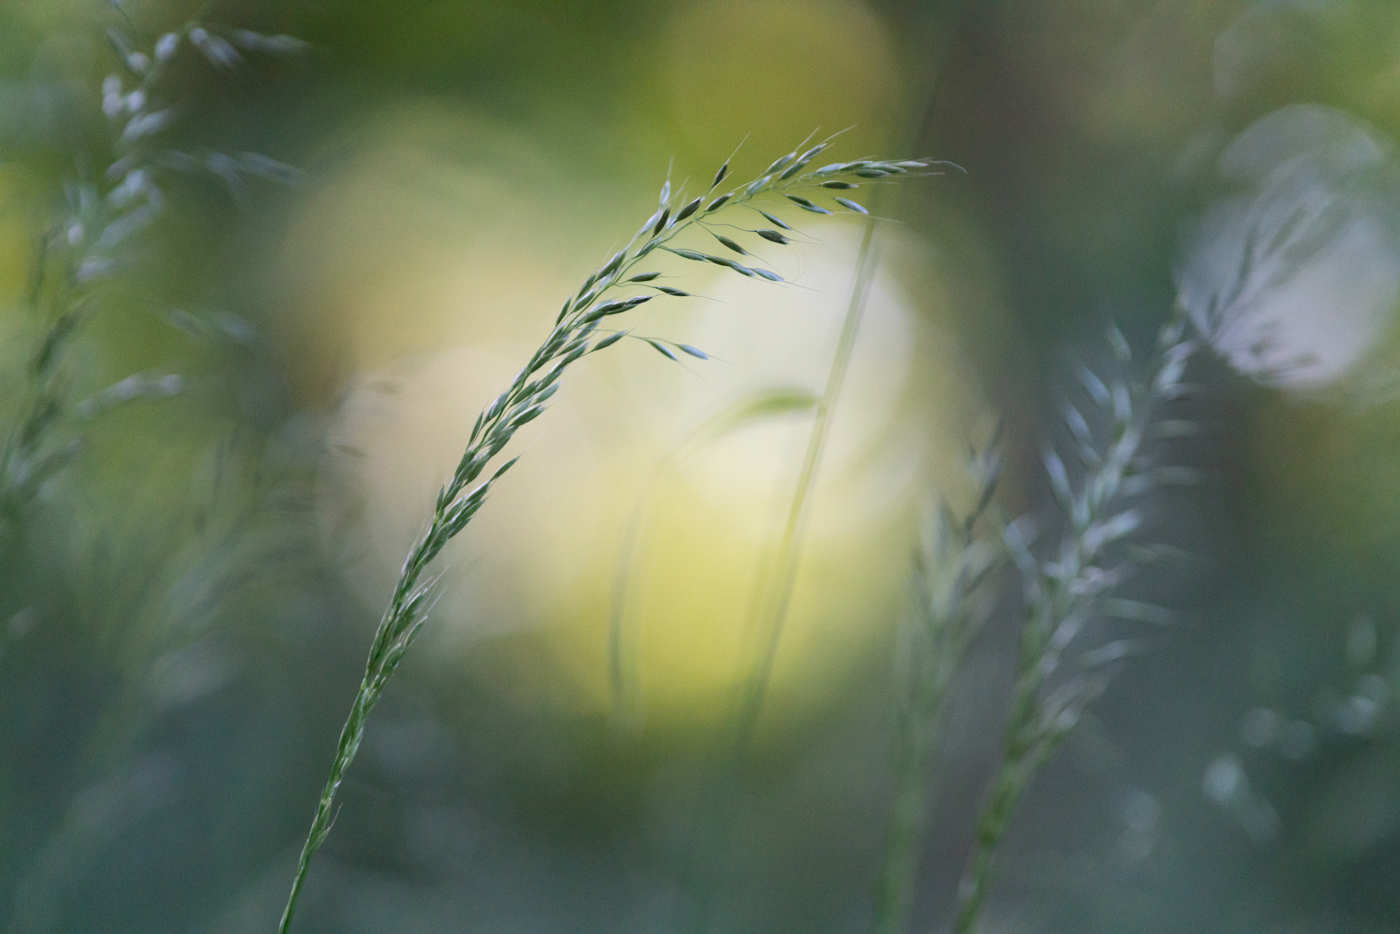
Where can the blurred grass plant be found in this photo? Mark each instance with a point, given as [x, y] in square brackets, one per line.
[88, 240]
[953, 569]
[1064, 590]
[612, 290]
[163, 596]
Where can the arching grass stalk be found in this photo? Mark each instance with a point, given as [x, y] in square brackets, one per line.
[1065, 590]
[613, 289]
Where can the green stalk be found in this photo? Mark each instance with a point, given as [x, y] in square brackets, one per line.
[775, 599]
[789, 551]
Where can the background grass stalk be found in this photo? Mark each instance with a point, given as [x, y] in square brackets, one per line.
[951, 567]
[785, 561]
[715, 819]
[1064, 591]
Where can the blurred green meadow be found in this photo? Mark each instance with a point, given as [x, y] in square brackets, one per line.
[274, 377]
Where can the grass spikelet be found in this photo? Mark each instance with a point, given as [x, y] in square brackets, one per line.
[775, 221]
[661, 220]
[662, 349]
[693, 351]
[807, 204]
[688, 210]
[611, 339]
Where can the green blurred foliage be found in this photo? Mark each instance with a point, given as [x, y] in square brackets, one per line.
[179, 632]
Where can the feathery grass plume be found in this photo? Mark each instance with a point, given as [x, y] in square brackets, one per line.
[89, 242]
[1064, 590]
[955, 559]
[576, 333]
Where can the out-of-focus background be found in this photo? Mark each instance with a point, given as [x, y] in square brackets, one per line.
[185, 608]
